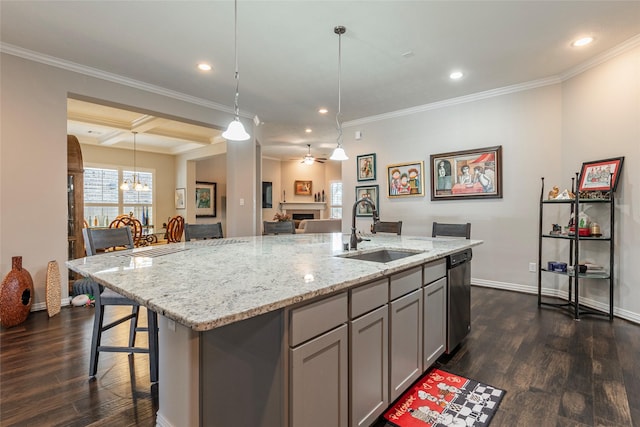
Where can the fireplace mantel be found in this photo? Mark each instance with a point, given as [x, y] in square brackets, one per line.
[303, 205]
[316, 207]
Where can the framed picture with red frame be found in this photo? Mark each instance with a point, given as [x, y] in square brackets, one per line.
[600, 175]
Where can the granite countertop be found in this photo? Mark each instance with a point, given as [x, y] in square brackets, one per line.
[210, 283]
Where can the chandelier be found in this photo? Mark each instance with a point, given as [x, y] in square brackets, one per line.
[135, 182]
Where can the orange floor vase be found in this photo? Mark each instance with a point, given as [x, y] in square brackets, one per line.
[16, 295]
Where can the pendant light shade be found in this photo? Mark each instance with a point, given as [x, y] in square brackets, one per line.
[235, 131]
[338, 153]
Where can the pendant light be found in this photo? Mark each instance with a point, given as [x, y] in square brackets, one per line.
[338, 153]
[135, 183]
[235, 131]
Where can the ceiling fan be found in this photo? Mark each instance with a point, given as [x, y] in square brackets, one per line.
[309, 159]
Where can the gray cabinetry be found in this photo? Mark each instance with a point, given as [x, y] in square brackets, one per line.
[369, 364]
[405, 342]
[318, 363]
[319, 382]
[435, 321]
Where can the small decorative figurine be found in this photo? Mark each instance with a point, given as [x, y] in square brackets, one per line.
[554, 193]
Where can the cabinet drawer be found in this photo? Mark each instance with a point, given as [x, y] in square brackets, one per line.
[435, 270]
[318, 317]
[368, 297]
[405, 282]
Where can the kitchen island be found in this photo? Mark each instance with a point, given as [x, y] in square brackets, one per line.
[225, 307]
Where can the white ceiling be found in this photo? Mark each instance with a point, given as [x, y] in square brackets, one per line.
[288, 52]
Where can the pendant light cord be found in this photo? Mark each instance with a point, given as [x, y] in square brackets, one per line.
[235, 48]
[339, 31]
[134, 157]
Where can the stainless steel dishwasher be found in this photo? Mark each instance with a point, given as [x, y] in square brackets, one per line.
[458, 298]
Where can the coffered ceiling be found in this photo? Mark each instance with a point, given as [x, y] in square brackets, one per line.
[396, 55]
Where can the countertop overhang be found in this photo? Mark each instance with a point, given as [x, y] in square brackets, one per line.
[211, 283]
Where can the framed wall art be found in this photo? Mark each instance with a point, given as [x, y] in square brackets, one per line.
[370, 191]
[405, 179]
[180, 198]
[267, 194]
[302, 188]
[366, 167]
[601, 175]
[205, 199]
[470, 174]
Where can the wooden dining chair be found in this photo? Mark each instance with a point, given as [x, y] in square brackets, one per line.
[388, 227]
[133, 223]
[100, 240]
[279, 227]
[202, 231]
[175, 228]
[451, 230]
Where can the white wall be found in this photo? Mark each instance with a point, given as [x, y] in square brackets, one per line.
[528, 127]
[295, 170]
[545, 132]
[33, 156]
[601, 119]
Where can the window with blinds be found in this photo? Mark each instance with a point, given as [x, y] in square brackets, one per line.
[335, 199]
[104, 200]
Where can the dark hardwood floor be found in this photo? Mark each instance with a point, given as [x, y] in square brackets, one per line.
[556, 371]
[44, 374]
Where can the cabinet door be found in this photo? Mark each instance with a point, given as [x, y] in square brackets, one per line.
[369, 367]
[405, 342]
[319, 381]
[435, 321]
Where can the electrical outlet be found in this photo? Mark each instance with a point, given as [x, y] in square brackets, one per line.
[532, 267]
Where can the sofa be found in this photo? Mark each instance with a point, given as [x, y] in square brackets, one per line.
[320, 226]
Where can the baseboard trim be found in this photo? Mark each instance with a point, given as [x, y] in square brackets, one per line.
[617, 312]
[39, 306]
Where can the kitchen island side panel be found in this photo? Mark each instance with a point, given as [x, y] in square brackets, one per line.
[241, 373]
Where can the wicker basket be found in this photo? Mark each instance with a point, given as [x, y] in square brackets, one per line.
[53, 289]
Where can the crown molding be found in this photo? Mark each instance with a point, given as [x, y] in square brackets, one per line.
[456, 101]
[114, 78]
[625, 46]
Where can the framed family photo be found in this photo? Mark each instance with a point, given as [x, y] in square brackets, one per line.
[601, 175]
[366, 167]
[405, 179]
[370, 191]
[469, 174]
[205, 199]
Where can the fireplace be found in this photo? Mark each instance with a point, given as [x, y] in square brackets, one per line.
[309, 210]
[301, 216]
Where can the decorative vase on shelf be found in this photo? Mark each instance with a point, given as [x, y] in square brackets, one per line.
[16, 295]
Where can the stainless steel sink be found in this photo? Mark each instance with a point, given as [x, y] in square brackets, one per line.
[382, 255]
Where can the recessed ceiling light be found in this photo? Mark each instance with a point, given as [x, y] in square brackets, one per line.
[308, 130]
[323, 111]
[204, 66]
[582, 41]
[456, 75]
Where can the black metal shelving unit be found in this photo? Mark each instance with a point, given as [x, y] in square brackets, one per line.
[572, 302]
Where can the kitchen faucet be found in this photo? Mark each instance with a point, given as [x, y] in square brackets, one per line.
[353, 242]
